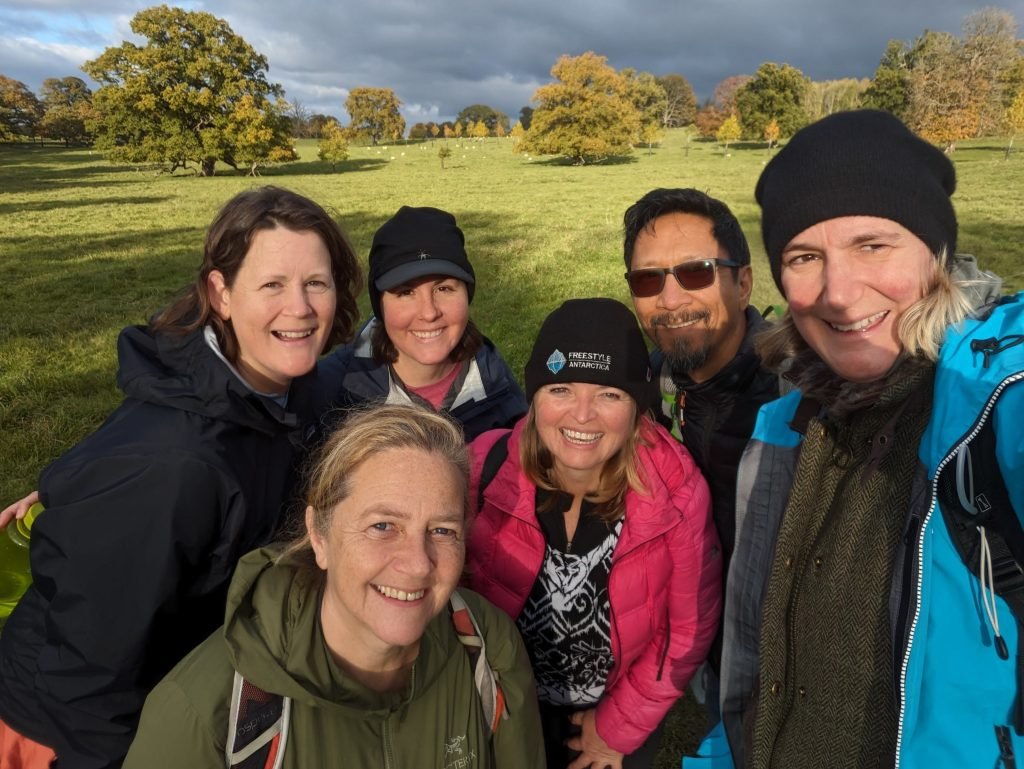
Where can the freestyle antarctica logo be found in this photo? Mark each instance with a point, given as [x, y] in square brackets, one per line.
[578, 360]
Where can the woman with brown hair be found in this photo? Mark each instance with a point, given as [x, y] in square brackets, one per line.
[421, 346]
[146, 518]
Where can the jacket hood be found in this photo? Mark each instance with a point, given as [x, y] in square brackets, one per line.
[182, 372]
[274, 639]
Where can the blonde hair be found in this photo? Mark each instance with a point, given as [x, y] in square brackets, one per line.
[367, 432]
[620, 473]
[920, 329]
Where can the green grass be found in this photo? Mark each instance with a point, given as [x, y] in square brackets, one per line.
[87, 248]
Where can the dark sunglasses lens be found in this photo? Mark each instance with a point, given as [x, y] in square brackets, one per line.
[646, 282]
[695, 275]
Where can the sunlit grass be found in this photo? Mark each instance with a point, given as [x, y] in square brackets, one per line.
[87, 248]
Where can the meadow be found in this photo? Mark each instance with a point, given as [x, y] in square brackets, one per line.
[87, 248]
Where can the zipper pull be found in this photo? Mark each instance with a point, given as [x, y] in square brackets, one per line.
[987, 347]
[1006, 756]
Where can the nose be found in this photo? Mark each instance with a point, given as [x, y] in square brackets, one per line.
[428, 309]
[842, 284]
[673, 296]
[416, 558]
[297, 302]
[583, 407]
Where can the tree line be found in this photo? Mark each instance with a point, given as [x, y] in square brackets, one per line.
[195, 94]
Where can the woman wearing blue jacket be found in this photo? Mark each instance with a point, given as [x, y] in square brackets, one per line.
[855, 633]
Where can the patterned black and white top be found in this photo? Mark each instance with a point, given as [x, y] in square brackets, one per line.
[566, 622]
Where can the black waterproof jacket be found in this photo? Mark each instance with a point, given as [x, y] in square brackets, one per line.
[717, 418]
[144, 522]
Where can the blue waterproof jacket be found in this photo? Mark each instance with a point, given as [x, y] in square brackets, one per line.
[489, 396]
[956, 695]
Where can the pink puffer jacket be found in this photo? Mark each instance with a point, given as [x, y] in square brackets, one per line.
[664, 586]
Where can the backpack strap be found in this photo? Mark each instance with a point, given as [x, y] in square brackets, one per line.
[988, 536]
[491, 695]
[257, 727]
[496, 456]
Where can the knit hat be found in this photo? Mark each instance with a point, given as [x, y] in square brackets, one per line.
[596, 341]
[860, 163]
[414, 243]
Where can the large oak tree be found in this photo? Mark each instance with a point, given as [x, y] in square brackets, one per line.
[586, 114]
[195, 92]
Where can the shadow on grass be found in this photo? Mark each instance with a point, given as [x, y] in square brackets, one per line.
[319, 167]
[136, 200]
[616, 160]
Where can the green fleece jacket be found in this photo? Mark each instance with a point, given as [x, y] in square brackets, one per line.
[272, 637]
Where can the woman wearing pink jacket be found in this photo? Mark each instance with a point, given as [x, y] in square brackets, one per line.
[594, 534]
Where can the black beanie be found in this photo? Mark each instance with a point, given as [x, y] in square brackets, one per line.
[596, 341]
[414, 243]
[860, 163]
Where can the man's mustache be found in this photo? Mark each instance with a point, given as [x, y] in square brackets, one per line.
[675, 319]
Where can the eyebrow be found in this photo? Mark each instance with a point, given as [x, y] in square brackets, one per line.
[857, 240]
[390, 512]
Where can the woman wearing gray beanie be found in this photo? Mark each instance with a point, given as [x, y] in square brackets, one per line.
[857, 634]
[594, 533]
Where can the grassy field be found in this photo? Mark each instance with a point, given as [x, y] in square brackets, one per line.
[87, 248]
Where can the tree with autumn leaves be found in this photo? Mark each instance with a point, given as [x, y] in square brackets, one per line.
[591, 112]
[194, 93]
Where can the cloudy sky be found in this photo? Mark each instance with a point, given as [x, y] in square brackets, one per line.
[442, 55]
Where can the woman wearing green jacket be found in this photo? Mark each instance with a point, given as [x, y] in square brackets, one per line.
[346, 637]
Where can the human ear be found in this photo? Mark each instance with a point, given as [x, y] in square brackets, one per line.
[318, 543]
[219, 294]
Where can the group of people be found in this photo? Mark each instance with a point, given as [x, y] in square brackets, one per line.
[470, 574]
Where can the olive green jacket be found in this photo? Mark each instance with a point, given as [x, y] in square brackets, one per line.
[272, 637]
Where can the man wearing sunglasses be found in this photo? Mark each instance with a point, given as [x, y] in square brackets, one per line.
[688, 270]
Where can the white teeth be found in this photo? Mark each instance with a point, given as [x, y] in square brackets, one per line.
[400, 595]
[684, 324]
[428, 334]
[294, 334]
[859, 324]
[577, 437]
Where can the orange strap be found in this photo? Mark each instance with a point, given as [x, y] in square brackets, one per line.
[19, 752]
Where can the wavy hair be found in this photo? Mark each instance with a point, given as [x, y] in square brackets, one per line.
[227, 243]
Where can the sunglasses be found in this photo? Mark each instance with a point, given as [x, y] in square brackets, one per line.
[693, 275]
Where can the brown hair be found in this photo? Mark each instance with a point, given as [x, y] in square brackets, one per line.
[384, 350]
[620, 473]
[227, 243]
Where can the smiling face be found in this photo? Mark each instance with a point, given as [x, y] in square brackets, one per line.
[393, 555]
[425, 319]
[698, 331]
[583, 426]
[281, 306]
[848, 281]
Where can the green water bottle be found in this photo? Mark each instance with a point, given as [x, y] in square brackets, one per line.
[15, 575]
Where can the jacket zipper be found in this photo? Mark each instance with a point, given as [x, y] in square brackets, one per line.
[389, 760]
[972, 433]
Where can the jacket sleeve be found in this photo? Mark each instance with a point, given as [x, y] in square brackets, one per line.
[518, 743]
[639, 698]
[116, 566]
[171, 730]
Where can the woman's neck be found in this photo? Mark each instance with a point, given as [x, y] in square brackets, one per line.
[415, 374]
[576, 483]
[377, 667]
